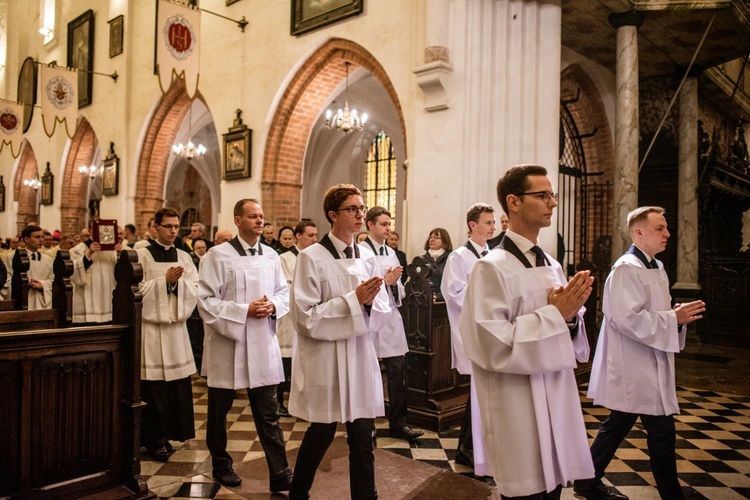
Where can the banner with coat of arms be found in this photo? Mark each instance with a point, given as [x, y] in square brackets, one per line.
[11, 126]
[178, 45]
[59, 100]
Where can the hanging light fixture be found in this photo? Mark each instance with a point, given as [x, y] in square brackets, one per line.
[346, 120]
[90, 170]
[189, 151]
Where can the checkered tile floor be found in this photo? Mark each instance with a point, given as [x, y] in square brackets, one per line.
[713, 449]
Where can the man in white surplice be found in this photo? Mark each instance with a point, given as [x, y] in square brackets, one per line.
[480, 219]
[93, 280]
[522, 328]
[40, 271]
[242, 294]
[337, 300]
[170, 293]
[633, 370]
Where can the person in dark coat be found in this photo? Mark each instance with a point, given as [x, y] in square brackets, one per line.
[437, 248]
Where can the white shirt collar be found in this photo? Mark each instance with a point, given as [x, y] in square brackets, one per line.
[478, 248]
[246, 246]
[339, 245]
[523, 244]
[648, 257]
[377, 246]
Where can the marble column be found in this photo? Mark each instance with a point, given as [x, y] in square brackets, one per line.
[626, 126]
[687, 217]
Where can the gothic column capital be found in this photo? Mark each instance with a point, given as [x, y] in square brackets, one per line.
[630, 18]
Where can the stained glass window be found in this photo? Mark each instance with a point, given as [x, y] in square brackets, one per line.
[380, 175]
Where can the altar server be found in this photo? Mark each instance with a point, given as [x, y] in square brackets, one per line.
[40, 272]
[522, 329]
[93, 281]
[633, 370]
[242, 294]
[335, 371]
[170, 293]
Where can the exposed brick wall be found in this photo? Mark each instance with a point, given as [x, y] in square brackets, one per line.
[157, 146]
[28, 208]
[281, 182]
[73, 209]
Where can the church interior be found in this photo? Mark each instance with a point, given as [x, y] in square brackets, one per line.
[625, 102]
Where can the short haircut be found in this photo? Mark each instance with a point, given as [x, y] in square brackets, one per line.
[284, 228]
[239, 207]
[444, 236]
[515, 181]
[130, 227]
[472, 215]
[641, 214]
[302, 225]
[336, 195]
[47, 233]
[373, 214]
[165, 212]
[28, 230]
[200, 226]
[267, 223]
[65, 238]
[397, 235]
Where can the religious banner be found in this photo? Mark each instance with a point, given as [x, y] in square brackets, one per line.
[59, 99]
[177, 45]
[11, 126]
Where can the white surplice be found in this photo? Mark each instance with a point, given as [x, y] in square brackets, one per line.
[633, 369]
[390, 339]
[41, 270]
[241, 352]
[285, 326]
[92, 287]
[523, 359]
[335, 371]
[165, 349]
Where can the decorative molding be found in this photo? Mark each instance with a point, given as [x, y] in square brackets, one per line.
[432, 78]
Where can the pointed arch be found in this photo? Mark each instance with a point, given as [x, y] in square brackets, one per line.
[298, 108]
[28, 206]
[75, 187]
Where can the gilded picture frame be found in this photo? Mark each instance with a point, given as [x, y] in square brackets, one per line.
[116, 35]
[309, 15]
[81, 54]
[110, 175]
[48, 187]
[237, 154]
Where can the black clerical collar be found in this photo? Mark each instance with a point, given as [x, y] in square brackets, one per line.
[165, 247]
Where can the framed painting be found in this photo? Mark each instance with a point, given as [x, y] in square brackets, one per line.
[116, 34]
[237, 154]
[104, 232]
[2, 194]
[81, 54]
[308, 15]
[48, 187]
[110, 172]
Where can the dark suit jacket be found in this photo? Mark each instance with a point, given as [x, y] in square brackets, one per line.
[437, 272]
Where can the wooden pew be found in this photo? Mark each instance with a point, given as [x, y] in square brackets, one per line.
[70, 424]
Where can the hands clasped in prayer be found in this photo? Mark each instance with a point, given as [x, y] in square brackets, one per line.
[262, 308]
[688, 312]
[393, 275]
[570, 298]
[367, 290]
[173, 275]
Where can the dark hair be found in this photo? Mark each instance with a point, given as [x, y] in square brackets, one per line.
[300, 227]
[641, 213]
[47, 233]
[443, 236]
[130, 227]
[284, 229]
[472, 215]
[28, 230]
[267, 223]
[165, 212]
[374, 213]
[336, 195]
[239, 207]
[515, 181]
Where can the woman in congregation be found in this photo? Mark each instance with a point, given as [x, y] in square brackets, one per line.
[437, 248]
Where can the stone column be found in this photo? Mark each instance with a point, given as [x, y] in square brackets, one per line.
[687, 218]
[626, 126]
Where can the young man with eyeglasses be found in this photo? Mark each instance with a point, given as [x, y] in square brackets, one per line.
[338, 299]
[242, 295]
[523, 331]
[390, 341]
[480, 218]
[170, 294]
[40, 271]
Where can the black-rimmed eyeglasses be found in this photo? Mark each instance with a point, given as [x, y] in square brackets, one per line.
[545, 196]
[353, 210]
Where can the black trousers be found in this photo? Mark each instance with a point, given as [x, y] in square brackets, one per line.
[397, 408]
[661, 448]
[465, 437]
[169, 412]
[265, 411]
[544, 495]
[286, 385]
[361, 458]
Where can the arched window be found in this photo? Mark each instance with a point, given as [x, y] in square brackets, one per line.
[380, 175]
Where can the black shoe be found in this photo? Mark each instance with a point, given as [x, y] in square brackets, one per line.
[283, 411]
[463, 458]
[161, 454]
[406, 433]
[227, 477]
[595, 489]
[282, 483]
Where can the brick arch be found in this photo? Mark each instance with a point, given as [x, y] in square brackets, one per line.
[311, 86]
[589, 114]
[28, 207]
[75, 187]
[157, 146]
